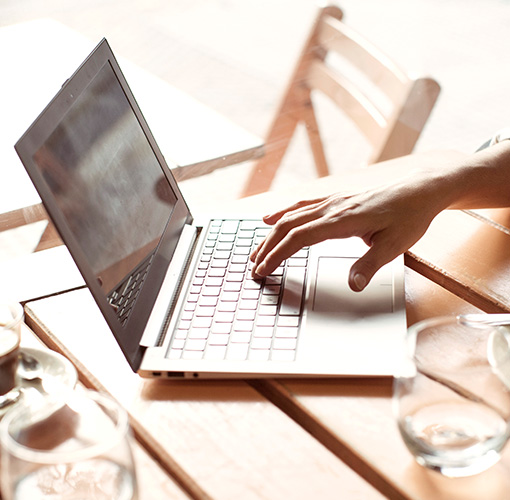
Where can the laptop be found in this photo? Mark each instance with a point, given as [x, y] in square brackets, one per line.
[176, 291]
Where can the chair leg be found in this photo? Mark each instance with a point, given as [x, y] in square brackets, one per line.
[408, 122]
[277, 142]
[49, 239]
[312, 129]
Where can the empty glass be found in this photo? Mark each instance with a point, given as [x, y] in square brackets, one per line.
[71, 447]
[451, 394]
[11, 318]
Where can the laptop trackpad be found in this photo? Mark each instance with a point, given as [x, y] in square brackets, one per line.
[332, 294]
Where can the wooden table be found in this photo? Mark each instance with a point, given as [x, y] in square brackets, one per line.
[299, 439]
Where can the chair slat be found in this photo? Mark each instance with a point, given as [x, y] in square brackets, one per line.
[335, 36]
[350, 100]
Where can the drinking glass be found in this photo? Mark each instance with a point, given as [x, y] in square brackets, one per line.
[75, 446]
[451, 394]
[11, 318]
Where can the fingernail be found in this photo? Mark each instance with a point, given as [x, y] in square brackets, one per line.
[259, 270]
[360, 281]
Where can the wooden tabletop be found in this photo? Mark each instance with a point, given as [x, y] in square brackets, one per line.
[273, 439]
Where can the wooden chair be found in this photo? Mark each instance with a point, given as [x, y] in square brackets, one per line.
[388, 106]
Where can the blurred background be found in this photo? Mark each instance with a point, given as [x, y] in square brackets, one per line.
[236, 56]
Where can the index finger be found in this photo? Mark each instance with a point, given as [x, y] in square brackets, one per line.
[285, 220]
[304, 235]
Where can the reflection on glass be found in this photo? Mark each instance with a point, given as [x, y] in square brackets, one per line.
[107, 180]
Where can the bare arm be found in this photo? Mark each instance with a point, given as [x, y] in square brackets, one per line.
[389, 218]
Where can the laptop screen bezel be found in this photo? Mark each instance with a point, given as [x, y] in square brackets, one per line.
[128, 336]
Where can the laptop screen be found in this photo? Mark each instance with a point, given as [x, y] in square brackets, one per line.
[107, 181]
[109, 192]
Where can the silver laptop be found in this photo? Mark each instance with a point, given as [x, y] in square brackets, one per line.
[176, 291]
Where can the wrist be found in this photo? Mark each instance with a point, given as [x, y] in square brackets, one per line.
[483, 179]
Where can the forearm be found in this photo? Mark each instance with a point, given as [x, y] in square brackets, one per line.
[481, 180]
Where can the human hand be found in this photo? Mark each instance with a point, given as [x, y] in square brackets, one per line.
[389, 219]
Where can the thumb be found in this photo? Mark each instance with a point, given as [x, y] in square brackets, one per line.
[363, 270]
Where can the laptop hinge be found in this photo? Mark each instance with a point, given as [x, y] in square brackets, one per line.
[170, 288]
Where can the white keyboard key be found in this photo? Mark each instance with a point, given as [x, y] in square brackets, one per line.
[192, 354]
[195, 344]
[178, 343]
[248, 304]
[218, 339]
[263, 331]
[227, 306]
[267, 310]
[198, 333]
[232, 286]
[201, 322]
[221, 328]
[261, 343]
[215, 352]
[246, 314]
[243, 326]
[237, 352]
[229, 226]
[286, 333]
[259, 354]
[230, 296]
[175, 353]
[207, 301]
[266, 321]
[284, 344]
[206, 311]
[269, 300]
[288, 321]
[224, 317]
[240, 337]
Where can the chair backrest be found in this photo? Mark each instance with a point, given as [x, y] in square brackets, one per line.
[389, 107]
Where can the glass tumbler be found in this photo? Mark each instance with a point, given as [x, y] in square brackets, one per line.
[451, 394]
[11, 319]
[71, 447]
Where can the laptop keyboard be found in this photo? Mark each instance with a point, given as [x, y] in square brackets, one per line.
[227, 314]
[123, 298]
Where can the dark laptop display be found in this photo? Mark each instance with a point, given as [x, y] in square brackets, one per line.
[97, 155]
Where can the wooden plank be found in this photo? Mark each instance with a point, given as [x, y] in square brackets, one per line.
[468, 256]
[216, 439]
